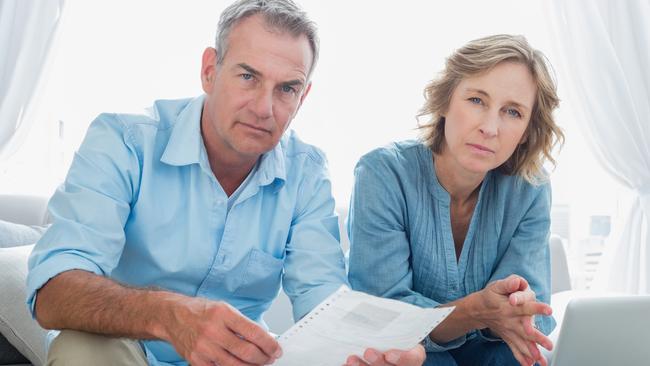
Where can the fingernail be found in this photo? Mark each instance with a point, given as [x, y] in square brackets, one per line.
[372, 357]
[278, 353]
[354, 363]
[392, 357]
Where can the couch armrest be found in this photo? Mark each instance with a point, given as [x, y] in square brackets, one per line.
[24, 209]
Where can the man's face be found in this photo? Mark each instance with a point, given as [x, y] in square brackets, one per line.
[253, 95]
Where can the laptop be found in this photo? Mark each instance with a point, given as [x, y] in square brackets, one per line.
[605, 331]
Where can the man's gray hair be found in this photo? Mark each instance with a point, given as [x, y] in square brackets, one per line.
[281, 15]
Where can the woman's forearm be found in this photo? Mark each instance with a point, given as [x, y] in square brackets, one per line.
[461, 321]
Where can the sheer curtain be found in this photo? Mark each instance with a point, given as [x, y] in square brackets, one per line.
[27, 28]
[604, 52]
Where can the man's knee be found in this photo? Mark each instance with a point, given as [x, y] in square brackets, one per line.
[73, 348]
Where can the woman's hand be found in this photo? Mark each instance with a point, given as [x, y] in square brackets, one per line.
[507, 308]
[372, 357]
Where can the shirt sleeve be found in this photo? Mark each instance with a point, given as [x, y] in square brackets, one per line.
[89, 210]
[528, 254]
[378, 239]
[314, 265]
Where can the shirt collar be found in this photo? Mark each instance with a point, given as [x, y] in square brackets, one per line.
[185, 147]
[185, 143]
[272, 168]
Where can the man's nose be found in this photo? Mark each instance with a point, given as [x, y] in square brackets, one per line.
[263, 103]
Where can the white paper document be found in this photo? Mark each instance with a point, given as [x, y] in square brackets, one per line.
[348, 322]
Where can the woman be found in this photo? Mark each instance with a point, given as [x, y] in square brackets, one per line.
[461, 218]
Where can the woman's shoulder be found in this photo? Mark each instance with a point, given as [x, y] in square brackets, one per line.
[396, 155]
[515, 188]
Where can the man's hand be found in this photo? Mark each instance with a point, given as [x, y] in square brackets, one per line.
[204, 332]
[372, 357]
[507, 309]
[207, 332]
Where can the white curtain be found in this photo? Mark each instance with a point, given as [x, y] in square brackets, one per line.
[603, 49]
[27, 29]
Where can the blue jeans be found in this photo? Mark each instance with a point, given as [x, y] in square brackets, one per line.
[475, 352]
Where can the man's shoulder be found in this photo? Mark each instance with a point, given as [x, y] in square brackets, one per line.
[138, 128]
[162, 114]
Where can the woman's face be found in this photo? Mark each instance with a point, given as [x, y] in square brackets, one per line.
[487, 117]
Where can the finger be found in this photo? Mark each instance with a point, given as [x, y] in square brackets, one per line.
[223, 357]
[522, 347]
[412, 357]
[539, 338]
[518, 356]
[244, 350]
[533, 308]
[254, 334]
[355, 361]
[520, 297]
[529, 325]
[510, 284]
[535, 354]
[374, 357]
[542, 361]
[523, 284]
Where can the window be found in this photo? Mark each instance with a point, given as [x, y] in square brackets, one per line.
[376, 57]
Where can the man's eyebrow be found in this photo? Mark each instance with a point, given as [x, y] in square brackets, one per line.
[250, 69]
[294, 82]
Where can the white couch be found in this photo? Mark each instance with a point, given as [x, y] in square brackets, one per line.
[16, 325]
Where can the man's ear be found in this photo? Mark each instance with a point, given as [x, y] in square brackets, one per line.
[208, 69]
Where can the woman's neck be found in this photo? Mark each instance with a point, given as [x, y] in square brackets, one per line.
[462, 185]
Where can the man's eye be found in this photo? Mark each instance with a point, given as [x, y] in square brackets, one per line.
[246, 76]
[288, 89]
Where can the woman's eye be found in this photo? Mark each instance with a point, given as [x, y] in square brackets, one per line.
[514, 113]
[475, 100]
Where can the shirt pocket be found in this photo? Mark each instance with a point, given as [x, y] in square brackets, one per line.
[262, 276]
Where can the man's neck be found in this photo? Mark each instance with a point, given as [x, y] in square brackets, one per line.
[230, 177]
[229, 168]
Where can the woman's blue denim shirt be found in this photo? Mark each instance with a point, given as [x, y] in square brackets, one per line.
[401, 238]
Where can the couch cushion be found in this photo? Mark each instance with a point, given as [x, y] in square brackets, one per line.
[13, 235]
[16, 324]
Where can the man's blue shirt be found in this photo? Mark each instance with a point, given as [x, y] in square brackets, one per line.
[141, 205]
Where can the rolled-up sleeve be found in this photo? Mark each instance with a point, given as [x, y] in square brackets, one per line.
[378, 239]
[314, 265]
[528, 253]
[89, 210]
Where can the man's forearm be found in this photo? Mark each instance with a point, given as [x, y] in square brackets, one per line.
[87, 302]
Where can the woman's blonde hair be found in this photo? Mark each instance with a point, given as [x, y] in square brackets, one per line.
[480, 56]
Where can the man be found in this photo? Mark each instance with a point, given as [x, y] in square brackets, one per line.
[173, 229]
